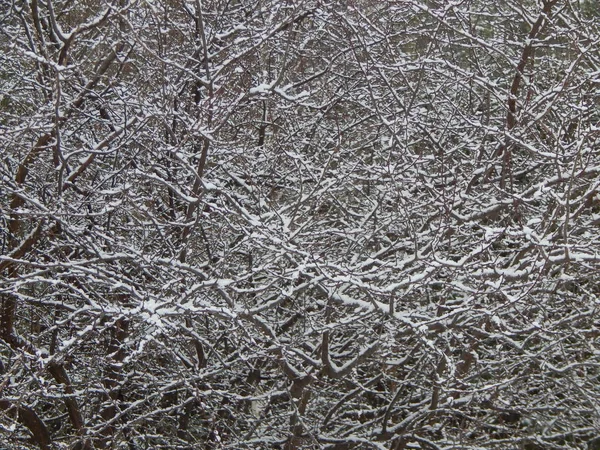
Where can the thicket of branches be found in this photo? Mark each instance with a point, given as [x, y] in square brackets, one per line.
[299, 224]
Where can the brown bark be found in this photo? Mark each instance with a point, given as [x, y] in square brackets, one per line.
[28, 417]
[112, 377]
[196, 188]
[511, 117]
[59, 373]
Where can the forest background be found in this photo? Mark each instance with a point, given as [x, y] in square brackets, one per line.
[311, 224]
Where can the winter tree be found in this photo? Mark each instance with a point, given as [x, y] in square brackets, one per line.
[299, 224]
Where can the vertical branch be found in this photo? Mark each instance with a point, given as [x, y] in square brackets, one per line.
[511, 117]
[196, 188]
[194, 205]
[112, 376]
